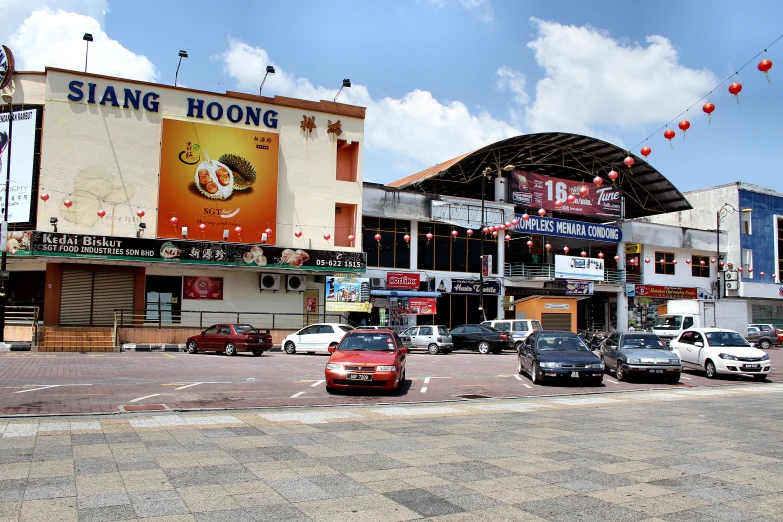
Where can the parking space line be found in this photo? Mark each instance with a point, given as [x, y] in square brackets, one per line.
[526, 385]
[197, 383]
[44, 387]
[610, 380]
[145, 397]
[316, 383]
[519, 377]
[684, 377]
[294, 396]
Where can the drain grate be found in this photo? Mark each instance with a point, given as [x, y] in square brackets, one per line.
[474, 396]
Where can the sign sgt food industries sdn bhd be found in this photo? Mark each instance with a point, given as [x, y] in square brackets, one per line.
[219, 177]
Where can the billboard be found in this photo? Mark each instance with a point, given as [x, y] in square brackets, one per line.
[347, 294]
[202, 288]
[579, 287]
[222, 177]
[532, 190]
[419, 306]
[584, 268]
[24, 164]
[661, 292]
[402, 280]
[548, 226]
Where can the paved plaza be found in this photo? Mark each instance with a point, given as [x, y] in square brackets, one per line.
[684, 454]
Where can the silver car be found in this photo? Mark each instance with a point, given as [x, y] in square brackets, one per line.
[433, 338]
[642, 354]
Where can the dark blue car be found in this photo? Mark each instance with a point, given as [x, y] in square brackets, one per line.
[562, 356]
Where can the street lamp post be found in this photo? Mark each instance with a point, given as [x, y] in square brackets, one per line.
[3, 259]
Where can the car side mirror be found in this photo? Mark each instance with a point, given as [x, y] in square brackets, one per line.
[699, 344]
[403, 350]
[332, 348]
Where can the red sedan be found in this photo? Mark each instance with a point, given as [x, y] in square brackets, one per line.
[230, 339]
[368, 359]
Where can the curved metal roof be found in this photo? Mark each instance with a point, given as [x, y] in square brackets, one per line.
[561, 155]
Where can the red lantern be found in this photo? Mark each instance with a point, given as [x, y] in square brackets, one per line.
[140, 213]
[764, 66]
[684, 125]
[739, 269]
[202, 227]
[662, 261]
[238, 230]
[571, 198]
[101, 213]
[529, 242]
[548, 246]
[583, 191]
[268, 231]
[298, 233]
[708, 108]
[702, 263]
[327, 236]
[515, 222]
[669, 135]
[687, 261]
[469, 232]
[406, 238]
[613, 175]
[598, 180]
[731, 265]
[628, 162]
[525, 217]
[600, 255]
[351, 238]
[45, 197]
[558, 203]
[507, 237]
[377, 237]
[674, 262]
[454, 233]
[566, 249]
[735, 88]
[67, 203]
[486, 230]
[508, 224]
[617, 259]
[645, 151]
[761, 274]
[750, 270]
[174, 221]
[713, 261]
[495, 233]
[583, 253]
[499, 227]
[647, 260]
[541, 212]
[429, 236]
[721, 264]
[774, 276]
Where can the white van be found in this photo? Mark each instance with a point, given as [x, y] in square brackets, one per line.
[518, 328]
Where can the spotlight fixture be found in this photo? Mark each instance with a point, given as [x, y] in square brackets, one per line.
[269, 70]
[87, 38]
[346, 84]
[225, 235]
[182, 54]
[142, 228]
[184, 232]
[53, 222]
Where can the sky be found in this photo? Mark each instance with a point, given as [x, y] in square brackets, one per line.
[442, 77]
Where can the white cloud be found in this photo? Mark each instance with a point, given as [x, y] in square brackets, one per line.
[48, 38]
[513, 81]
[16, 11]
[594, 84]
[418, 129]
[483, 7]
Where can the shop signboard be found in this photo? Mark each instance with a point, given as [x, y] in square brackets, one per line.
[402, 280]
[471, 286]
[202, 288]
[633, 248]
[532, 190]
[18, 243]
[584, 268]
[556, 306]
[576, 287]
[217, 176]
[547, 226]
[196, 252]
[663, 292]
[347, 289]
[24, 163]
[420, 306]
[340, 306]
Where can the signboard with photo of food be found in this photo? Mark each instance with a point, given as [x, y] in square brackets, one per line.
[218, 176]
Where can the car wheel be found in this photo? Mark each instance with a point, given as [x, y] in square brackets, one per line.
[603, 361]
[257, 353]
[673, 378]
[520, 369]
[598, 381]
[765, 344]
[290, 348]
[534, 377]
[760, 377]
[483, 347]
[709, 367]
[330, 390]
[192, 347]
[433, 349]
[622, 375]
[231, 349]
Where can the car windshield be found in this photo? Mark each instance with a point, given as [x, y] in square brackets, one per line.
[367, 342]
[442, 330]
[726, 339]
[242, 328]
[345, 328]
[669, 321]
[637, 342]
[560, 342]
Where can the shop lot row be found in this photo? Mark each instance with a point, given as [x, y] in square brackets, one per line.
[40, 383]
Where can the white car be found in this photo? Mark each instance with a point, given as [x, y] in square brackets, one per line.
[717, 350]
[315, 338]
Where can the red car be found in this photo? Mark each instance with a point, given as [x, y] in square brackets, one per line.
[230, 339]
[369, 359]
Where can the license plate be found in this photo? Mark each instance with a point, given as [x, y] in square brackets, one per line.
[656, 371]
[752, 366]
[575, 375]
[359, 377]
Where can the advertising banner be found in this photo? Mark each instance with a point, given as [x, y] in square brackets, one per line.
[533, 190]
[486, 265]
[420, 306]
[195, 252]
[335, 306]
[571, 267]
[347, 289]
[18, 243]
[664, 292]
[24, 163]
[579, 287]
[564, 228]
[402, 280]
[202, 288]
[471, 286]
[222, 177]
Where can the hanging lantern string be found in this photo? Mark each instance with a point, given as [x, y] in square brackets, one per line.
[697, 102]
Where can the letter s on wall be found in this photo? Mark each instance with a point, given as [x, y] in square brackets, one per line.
[76, 90]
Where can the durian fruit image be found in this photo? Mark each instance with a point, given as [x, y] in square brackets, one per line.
[214, 179]
[244, 171]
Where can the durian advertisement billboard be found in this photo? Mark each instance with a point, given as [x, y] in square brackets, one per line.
[220, 177]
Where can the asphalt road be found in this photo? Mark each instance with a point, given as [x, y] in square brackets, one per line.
[47, 383]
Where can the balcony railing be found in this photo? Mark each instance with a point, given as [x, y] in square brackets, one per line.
[547, 272]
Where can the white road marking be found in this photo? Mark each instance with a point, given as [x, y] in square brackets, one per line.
[526, 385]
[427, 380]
[519, 377]
[43, 387]
[684, 377]
[309, 417]
[610, 380]
[197, 383]
[423, 389]
[145, 397]
[401, 411]
[294, 396]
[316, 383]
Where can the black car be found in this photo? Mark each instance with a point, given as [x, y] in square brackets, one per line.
[479, 337]
[559, 356]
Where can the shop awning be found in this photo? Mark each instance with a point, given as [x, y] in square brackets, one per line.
[403, 293]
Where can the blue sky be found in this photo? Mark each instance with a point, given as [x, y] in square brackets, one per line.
[441, 77]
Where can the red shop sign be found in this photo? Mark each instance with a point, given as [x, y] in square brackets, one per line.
[203, 288]
[422, 306]
[402, 280]
[533, 191]
[666, 292]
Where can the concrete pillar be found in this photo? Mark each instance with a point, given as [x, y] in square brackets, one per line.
[622, 300]
[414, 244]
[501, 253]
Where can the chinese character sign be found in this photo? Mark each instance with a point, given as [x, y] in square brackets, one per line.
[538, 191]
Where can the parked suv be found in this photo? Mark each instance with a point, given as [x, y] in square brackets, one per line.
[763, 336]
[433, 338]
[518, 328]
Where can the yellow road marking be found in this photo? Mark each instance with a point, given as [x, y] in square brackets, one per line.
[169, 355]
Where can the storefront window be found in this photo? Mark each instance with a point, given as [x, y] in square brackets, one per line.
[452, 254]
[664, 263]
[391, 251]
[767, 314]
[700, 266]
[163, 299]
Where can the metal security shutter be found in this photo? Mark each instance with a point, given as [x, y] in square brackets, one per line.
[556, 322]
[76, 298]
[111, 291]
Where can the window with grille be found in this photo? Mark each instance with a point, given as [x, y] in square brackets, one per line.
[392, 251]
[456, 254]
[700, 266]
[664, 263]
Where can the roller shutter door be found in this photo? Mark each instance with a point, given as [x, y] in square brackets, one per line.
[90, 298]
[76, 300]
[556, 322]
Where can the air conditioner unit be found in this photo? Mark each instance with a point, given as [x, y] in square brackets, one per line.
[732, 285]
[731, 276]
[269, 282]
[295, 283]
[378, 282]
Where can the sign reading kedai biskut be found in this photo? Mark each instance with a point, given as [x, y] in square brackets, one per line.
[532, 190]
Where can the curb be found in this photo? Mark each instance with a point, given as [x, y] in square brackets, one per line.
[167, 348]
[15, 347]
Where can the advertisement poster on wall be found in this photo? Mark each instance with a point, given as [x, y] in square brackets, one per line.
[347, 294]
[221, 177]
[571, 267]
[421, 306]
[202, 288]
[579, 288]
[661, 292]
[529, 189]
[24, 163]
